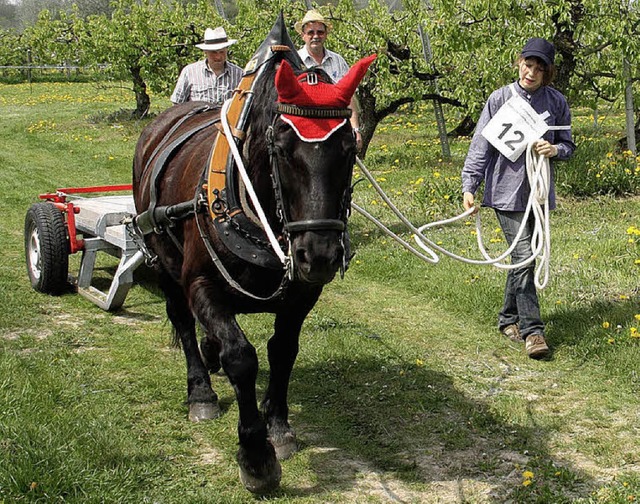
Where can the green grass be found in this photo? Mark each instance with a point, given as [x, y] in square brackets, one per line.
[403, 389]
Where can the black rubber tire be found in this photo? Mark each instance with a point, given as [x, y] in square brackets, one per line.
[46, 247]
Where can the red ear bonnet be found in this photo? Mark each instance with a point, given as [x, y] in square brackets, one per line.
[296, 91]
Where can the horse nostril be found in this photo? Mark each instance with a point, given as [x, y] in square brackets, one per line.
[301, 255]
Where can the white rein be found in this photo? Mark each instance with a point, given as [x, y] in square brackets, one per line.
[248, 184]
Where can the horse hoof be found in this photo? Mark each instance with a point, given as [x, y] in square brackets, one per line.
[284, 445]
[262, 485]
[203, 411]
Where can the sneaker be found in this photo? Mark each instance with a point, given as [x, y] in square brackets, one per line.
[512, 332]
[536, 346]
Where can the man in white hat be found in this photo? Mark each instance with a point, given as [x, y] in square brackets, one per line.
[314, 28]
[212, 79]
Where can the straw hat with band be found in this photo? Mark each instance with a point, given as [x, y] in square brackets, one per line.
[312, 16]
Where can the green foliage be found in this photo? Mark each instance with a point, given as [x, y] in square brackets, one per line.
[13, 53]
[54, 41]
[154, 38]
[473, 45]
[598, 166]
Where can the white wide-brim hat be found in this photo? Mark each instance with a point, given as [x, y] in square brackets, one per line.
[214, 40]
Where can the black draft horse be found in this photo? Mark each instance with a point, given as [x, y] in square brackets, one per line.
[215, 259]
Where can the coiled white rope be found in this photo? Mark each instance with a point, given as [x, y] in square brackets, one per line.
[538, 174]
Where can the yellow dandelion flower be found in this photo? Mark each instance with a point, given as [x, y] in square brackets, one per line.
[606, 325]
[527, 475]
[637, 316]
[526, 483]
[633, 332]
[436, 174]
[419, 362]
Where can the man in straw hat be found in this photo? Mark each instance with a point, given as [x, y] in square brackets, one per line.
[314, 28]
[212, 79]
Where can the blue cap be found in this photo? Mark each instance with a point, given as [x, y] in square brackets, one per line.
[539, 48]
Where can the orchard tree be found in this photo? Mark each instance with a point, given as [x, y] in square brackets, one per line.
[474, 45]
[12, 52]
[476, 41]
[148, 42]
[53, 40]
[608, 44]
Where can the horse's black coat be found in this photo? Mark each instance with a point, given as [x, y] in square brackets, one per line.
[315, 177]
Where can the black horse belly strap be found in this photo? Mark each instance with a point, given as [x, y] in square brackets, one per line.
[155, 218]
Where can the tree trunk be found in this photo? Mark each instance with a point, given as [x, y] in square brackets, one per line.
[464, 128]
[368, 118]
[564, 41]
[143, 102]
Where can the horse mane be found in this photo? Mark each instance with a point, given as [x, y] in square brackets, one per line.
[261, 117]
[263, 107]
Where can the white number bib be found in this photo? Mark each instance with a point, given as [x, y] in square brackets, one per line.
[514, 126]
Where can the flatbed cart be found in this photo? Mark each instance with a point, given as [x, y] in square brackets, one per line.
[67, 222]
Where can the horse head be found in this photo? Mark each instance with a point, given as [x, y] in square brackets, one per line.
[313, 150]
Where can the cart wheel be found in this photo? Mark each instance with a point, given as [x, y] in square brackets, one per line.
[46, 248]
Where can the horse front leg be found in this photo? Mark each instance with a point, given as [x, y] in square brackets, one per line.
[202, 400]
[283, 350]
[260, 471]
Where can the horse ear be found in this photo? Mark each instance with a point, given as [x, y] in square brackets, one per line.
[286, 83]
[348, 84]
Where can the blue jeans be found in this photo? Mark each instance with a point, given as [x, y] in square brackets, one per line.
[521, 304]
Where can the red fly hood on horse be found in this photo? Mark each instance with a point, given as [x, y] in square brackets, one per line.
[299, 92]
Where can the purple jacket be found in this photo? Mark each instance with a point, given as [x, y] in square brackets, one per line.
[506, 185]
